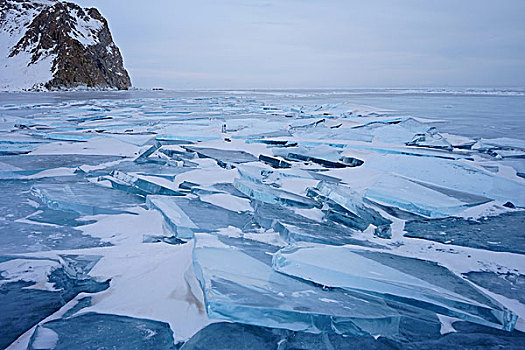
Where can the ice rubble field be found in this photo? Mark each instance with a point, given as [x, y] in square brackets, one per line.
[236, 222]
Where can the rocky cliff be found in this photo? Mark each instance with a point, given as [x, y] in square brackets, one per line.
[49, 44]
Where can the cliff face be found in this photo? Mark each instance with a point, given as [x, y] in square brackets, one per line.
[53, 45]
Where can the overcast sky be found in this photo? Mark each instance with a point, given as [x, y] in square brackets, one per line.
[319, 43]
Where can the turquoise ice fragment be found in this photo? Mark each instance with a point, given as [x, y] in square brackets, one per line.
[418, 283]
[240, 285]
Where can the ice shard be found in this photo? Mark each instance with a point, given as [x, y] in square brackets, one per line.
[346, 206]
[225, 158]
[240, 285]
[83, 198]
[325, 233]
[293, 227]
[274, 162]
[418, 283]
[185, 216]
[430, 139]
[271, 195]
[142, 185]
[324, 156]
[413, 197]
[452, 174]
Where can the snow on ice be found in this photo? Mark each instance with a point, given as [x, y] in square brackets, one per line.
[162, 217]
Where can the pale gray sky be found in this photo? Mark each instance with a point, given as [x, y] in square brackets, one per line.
[319, 43]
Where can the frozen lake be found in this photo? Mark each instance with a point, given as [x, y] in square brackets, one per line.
[480, 113]
[313, 219]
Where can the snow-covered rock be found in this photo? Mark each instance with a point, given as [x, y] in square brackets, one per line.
[50, 44]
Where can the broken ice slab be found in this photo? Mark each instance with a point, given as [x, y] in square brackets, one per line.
[32, 289]
[22, 166]
[142, 185]
[508, 154]
[505, 143]
[84, 198]
[325, 233]
[50, 161]
[323, 162]
[78, 266]
[27, 237]
[415, 282]
[185, 216]
[143, 157]
[305, 123]
[203, 191]
[271, 195]
[323, 155]
[176, 219]
[20, 224]
[248, 125]
[293, 227]
[147, 169]
[156, 154]
[18, 138]
[502, 233]
[273, 143]
[162, 239]
[177, 154]
[12, 149]
[227, 187]
[467, 198]
[320, 151]
[102, 331]
[268, 215]
[274, 162]
[72, 137]
[322, 177]
[41, 271]
[261, 174]
[430, 139]
[396, 150]
[414, 197]
[334, 110]
[452, 174]
[347, 206]
[351, 161]
[16, 174]
[346, 218]
[225, 158]
[400, 131]
[240, 285]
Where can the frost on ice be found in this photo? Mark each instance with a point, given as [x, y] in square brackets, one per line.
[304, 226]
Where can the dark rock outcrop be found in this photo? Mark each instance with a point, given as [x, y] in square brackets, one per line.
[77, 39]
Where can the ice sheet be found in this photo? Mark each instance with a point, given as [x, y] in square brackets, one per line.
[138, 178]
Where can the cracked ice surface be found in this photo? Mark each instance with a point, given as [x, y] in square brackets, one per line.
[305, 224]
